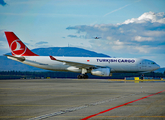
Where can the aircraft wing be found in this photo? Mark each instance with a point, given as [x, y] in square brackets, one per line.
[76, 64]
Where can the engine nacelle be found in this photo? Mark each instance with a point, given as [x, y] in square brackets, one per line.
[101, 72]
[74, 69]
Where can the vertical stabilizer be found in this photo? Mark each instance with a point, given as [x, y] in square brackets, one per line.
[18, 48]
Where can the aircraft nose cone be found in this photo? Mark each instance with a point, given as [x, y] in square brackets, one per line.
[157, 67]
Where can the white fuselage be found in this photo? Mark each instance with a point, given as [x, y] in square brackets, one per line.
[115, 64]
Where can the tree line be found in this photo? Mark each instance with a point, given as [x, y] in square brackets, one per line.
[50, 74]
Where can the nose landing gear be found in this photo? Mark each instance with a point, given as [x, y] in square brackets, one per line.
[142, 77]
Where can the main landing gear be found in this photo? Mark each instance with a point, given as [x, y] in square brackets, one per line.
[82, 76]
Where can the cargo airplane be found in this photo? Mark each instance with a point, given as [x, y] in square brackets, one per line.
[99, 66]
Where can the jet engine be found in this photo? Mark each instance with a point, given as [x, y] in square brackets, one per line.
[101, 72]
[74, 69]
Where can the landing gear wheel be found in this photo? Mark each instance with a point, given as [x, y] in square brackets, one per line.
[142, 77]
[79, 76]
[85, 76]
[82, 76]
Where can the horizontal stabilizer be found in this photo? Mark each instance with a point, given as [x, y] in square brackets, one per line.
[21, 59]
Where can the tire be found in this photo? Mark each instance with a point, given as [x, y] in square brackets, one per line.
[79, 77]
[85, 76]
[82, 76]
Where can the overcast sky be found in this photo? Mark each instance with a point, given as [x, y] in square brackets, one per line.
[128, 28]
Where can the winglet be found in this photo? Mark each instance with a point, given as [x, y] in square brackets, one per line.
[52, 58]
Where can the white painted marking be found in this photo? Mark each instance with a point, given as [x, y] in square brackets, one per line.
[80, 107]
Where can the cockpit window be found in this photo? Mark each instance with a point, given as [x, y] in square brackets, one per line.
[153, 63]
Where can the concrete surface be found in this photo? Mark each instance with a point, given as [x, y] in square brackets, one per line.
[72, 99]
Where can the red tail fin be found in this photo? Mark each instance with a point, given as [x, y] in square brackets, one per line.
[18, 48]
